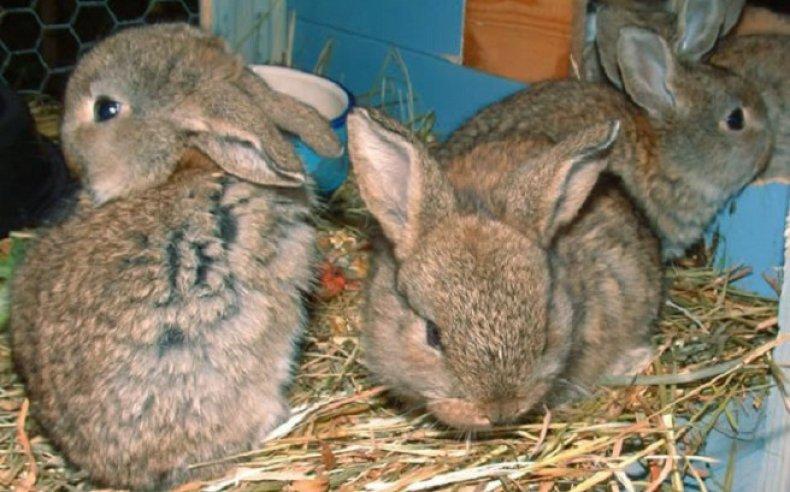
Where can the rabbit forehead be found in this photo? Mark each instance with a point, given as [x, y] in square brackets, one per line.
[479, 279]
[153, 61]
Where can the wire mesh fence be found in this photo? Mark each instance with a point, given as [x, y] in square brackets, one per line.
[41, 40]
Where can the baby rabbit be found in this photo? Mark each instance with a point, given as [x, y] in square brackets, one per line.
[692, 135]
[691, 27]
[497, 274]
[156, 328]
[764, 59]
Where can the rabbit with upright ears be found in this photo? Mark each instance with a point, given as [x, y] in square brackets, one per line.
[697, 29]
[498, 273]
[692, 135]
[764, 59]
[691, 27]
[156, 328]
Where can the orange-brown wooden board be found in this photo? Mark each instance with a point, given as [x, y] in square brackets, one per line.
[527, 40]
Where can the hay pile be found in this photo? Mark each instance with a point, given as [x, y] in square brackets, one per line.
[714, 349]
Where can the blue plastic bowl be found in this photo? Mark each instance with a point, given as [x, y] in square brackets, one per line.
[330, 99]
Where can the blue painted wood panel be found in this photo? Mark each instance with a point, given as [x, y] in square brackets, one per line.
[452, 91]
[433, 27]
[752, 233]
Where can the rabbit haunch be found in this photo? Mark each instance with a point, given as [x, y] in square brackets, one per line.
[507, 290]
[156, 327]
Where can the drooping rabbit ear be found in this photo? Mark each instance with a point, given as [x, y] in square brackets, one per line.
[548, 192]
[648, 69]
[239, 129]
[235, 142]
[292, 116]
[401, 185]
[699, 24]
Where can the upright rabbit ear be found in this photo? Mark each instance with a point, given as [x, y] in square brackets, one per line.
[609, 20]
[401, 185]
[648, 69]
[548, 193]
[699, 24]
[732, 13]
[238, 127]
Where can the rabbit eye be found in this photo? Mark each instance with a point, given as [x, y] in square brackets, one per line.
[105, 109]
[432, 335]
[735, 119]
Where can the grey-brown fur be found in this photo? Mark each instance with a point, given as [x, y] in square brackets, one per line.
[535, 289]
[156, 328]
[676, 157]
[764, 59]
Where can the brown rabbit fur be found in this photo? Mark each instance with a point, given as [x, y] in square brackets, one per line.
[156, 328]
[489, 286]
[764, 59]
[690, 26]
[678, 156]
[695, 26]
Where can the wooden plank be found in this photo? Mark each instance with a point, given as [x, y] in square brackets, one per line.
[432, 27]
[527, 40]
[206, 14]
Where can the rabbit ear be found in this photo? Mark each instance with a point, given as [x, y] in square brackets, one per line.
[238, 124]
[732, 13]
[549, 192]
[292, 116]
[609, 19]
[648, 69]
[399, 183]
[237, 149]
[699, 25]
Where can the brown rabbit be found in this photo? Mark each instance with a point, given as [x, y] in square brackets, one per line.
[479, 302]
[695, 26]
[156, 328]
[691, 27]
[764, 59]
[692, 135]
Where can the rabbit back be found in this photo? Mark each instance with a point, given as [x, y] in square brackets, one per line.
[158, 331]
[608, 259]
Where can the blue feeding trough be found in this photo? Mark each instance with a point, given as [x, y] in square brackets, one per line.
[330, 99]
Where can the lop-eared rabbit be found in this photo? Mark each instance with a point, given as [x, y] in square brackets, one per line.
[156, 328]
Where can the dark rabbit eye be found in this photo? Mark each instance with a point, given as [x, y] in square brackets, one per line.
[735, 119]
[432, 335]
[105, 109]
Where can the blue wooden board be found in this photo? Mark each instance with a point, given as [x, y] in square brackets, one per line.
[452, 91]
[432, 27]
[752, 233]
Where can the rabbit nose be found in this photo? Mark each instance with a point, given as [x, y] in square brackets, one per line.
[504, 411]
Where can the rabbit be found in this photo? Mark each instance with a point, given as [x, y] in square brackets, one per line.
[696, 27]
[691, 27]
[510, 279]
[156, 328]
[692, 135]
[764, 59]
